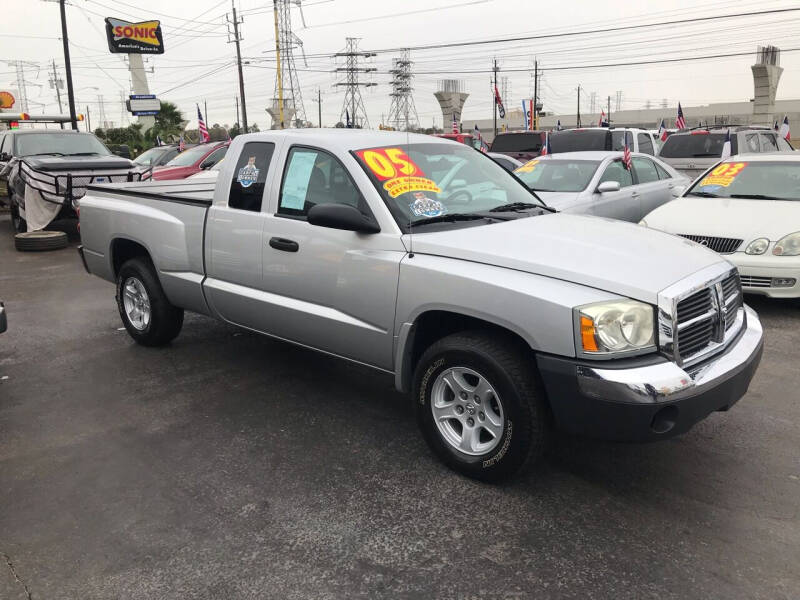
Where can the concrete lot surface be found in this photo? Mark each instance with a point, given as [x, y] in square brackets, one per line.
[231, 466]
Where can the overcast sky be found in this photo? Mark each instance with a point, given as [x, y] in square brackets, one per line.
[196, 43]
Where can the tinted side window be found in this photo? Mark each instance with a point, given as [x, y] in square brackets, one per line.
[247, 185]
[168, 156]
[617, 172]
[314, 177]
[751, 142]
[645, 144]
[645, 170]
[213, 158]
[618, 141]
[662, 173]
[768, 143]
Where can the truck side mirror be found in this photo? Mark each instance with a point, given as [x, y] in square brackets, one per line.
[341, 216]
[608, 186]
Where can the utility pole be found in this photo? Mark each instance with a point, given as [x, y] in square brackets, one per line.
[535, 115]
[68, 66]
[319, 107]
[494, 97]
[578, 120]
[56, 83]
[238, 122]
[88, 120]
[205, 114]
[237, 39]
[609, 111]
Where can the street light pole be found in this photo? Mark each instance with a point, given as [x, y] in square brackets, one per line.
[68, 66]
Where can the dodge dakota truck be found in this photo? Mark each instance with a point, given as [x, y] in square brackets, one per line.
[426, 260]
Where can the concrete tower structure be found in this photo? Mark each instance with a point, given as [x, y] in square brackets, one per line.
[451, 98]
[766, 75]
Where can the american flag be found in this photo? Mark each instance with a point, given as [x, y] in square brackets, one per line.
[455, 124]
[181, 144]
[680, 122]
[201, 126]
[626, 154]
[784, 131]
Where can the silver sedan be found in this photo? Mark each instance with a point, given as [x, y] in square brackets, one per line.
[597, 183]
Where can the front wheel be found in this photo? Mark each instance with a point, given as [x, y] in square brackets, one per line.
[145, 310]
[17, 222]
[479, 406]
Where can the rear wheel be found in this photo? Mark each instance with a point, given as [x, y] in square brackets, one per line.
[146, 312]
[479, 406]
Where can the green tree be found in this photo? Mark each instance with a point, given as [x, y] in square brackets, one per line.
[169, 124]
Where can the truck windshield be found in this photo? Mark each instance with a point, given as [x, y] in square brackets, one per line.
[578, 140]
[695, 145]
[59, 143]
[778, 180]
[150, 156]
[421, 181]
[189, 157]
[517, 142]
[553, 175]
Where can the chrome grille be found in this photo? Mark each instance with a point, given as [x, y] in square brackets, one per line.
[717, 244]
[756, 282]
[696, 322]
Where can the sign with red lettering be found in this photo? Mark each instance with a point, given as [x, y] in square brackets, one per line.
[125, 37]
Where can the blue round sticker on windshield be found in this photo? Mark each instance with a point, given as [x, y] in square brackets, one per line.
[426, 207]
[248, 174]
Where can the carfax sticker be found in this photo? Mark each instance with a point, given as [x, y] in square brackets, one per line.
[426, 207]
[402, 185]
[248, 174]
[723, 175]
[528, 166]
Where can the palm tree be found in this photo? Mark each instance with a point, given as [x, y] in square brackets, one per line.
[169, 123]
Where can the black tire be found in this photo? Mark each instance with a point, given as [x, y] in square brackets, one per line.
[509, 368]
[37, 241]
[165, 320]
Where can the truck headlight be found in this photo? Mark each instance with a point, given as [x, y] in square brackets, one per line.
[758, 246]
[788, 245]
[619, 326]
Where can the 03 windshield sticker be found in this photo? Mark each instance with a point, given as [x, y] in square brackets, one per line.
[248, 174]
[723, 175]
[528, 167]
[398, 173]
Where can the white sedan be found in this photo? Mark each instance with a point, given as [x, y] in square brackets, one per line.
[747, 208]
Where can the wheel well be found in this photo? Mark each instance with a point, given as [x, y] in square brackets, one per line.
[436, 324]
[123, 250]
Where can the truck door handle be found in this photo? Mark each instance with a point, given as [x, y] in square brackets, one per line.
[284, 244]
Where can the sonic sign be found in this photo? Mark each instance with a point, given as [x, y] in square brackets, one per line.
[125, 37]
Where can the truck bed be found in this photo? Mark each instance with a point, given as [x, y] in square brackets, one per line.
[191, 192]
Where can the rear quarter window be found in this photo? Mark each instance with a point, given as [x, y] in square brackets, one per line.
[517, 142]
[695, 145]
[577, 140]
[249, 176]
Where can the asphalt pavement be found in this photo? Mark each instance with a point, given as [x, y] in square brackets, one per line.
[229, 465]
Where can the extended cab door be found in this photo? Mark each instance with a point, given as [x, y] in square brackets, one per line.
[233, 285]
[330, 289]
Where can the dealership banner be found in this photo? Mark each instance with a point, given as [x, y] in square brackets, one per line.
[125, 37]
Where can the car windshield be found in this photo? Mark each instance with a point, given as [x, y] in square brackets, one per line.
[517, 142]
[149, 156]
[778, 180]
[695, 145]
[189, 157]
[421, 181]
[60, 143]
[578, 140]
[554, 175]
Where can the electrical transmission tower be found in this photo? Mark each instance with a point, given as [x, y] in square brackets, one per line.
[287, 104]
[505, 90]
[19, 66]
[403, 112]
[353, 106]
[618, 101]
[592, 102]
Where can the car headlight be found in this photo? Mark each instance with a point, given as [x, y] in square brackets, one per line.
[643, 223]
[758, 246]
[788, 245]
[615, 327]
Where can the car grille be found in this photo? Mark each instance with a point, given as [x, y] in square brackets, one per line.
[703, 321]
[756, 282]
[717, 244]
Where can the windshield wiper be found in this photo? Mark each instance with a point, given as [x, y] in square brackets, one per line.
[83, 154]
[511, 206]
[757, 197]
[450, 217]
[43, 154]
[705, 195]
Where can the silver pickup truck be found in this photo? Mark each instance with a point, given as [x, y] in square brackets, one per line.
[423, 258]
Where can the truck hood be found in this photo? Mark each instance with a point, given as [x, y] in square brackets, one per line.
[78, 163]
[621, 258]
[727, 217]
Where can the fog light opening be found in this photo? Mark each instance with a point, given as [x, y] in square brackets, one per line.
[664, 419]
[783, 281]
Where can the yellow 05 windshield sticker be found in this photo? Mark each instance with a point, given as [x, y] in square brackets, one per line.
[723, 175]
[402, 185]
[528, 167]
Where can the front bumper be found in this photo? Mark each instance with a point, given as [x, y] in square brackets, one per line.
[759, 272]
[648, 398]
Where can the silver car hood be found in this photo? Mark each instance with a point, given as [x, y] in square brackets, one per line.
[621, 258]
[559, 200]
